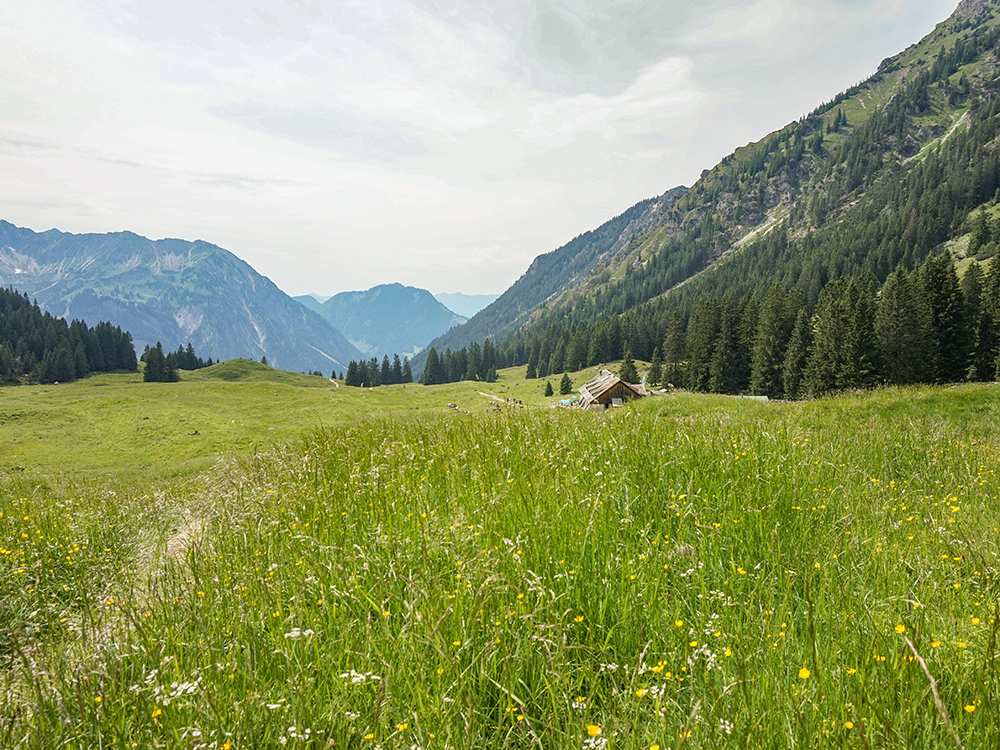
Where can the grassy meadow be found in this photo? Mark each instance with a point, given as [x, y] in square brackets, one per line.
[321, 566]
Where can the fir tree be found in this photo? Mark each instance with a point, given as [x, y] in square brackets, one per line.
[655, 369]
[769, 344]
[530, 373]
[565, 385]
[796, 355]
[941, 288]
[627, 371]
[548, 388]
[904, 332]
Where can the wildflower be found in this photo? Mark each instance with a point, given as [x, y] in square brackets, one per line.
[640, 692]
[98, 699]
[578, 618]
[852, 670]
[693, 644]
[456, 643]
[848, 725]
[935, 644]
[369, 736]
[901, 628]
[804, 673]
[402, 727]
[975, 620]
[157, 712]
[593, 730]
[970, 708]
[729, 652]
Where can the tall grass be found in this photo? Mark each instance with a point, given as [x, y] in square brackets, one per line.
[690, 572]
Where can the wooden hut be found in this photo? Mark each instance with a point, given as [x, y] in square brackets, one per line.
[607, 390]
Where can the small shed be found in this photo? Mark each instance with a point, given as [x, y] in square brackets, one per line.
[607, 390]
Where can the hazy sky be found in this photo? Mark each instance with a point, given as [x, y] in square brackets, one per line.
[438, 143]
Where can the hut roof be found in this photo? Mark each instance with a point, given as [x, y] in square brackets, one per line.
[593, 389]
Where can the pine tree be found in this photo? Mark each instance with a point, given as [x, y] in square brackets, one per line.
[904, 331]
[434, 372]
[627, 371]
[407, 370]
[548, 388]
[770, 342]
[941, 288]
[702, 333]
[673, 352]
[655, 369]
[796, 356]
[723, 367]
[565, 385]
[155, 365]
[530, 373]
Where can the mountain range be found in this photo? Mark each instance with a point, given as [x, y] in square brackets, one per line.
[389, 319]
[170, 290]
[887, 173]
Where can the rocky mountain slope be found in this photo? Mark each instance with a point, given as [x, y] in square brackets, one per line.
[389, 319]
[170, 290]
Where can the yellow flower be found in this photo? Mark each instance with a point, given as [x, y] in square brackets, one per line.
[456, 643]
[975, 620]
[640, 692]
[227, 746]
[98, 699]
[935, 644]
[729, 652]
[369, 736]
[804, 673]
[901, 628]
[852, 670]
[402, 727]
[970, 708]
[578, 618]
[848, 725]
[679, 623]
[692, 644]
[593, 730]
[654, 747]
[157, 712]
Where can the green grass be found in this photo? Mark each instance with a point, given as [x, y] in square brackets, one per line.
[690, 571]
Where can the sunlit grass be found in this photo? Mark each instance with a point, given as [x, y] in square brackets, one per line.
[688, 572]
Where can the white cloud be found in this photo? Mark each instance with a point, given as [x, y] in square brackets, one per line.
[434, 142]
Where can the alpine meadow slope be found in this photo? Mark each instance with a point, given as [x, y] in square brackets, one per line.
[170, 290]
[899, 167]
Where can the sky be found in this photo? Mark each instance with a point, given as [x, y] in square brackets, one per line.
[438, 143]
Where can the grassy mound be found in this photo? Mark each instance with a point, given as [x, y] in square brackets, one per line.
[246, 370]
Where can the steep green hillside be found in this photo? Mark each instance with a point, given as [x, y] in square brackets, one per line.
[553, 273]
[881, 175]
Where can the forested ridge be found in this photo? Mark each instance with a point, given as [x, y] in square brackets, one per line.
[38, 348]
[867, 199]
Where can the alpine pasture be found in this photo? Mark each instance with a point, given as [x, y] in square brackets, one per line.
[250, 558]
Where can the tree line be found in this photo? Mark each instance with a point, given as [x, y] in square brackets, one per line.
[370, 374]
[163, 368]
[36, 347]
